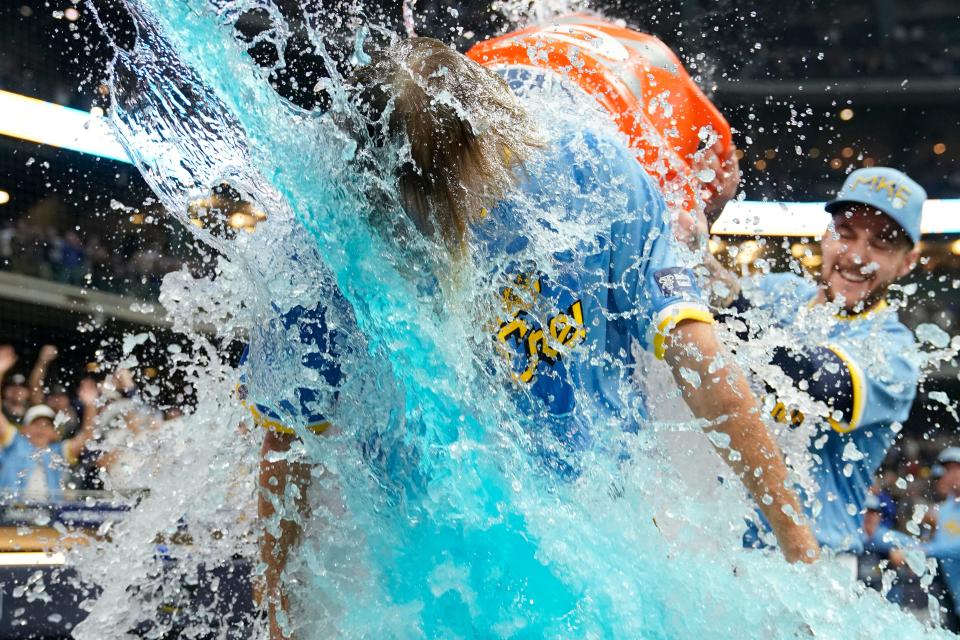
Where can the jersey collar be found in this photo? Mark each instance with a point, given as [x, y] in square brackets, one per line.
[862, 315]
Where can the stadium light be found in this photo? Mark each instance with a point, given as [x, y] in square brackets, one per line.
[31, 559]
[47, 123]
[808, 219]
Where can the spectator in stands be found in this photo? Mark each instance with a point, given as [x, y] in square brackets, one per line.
[71, 260]
[16, 398]
[56, 397]
[21, 392]
[945, 546]
[68, 420]
[124, 421]
[32, 459]
[879, 543]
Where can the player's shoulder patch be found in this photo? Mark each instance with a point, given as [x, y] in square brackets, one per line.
[674, 282]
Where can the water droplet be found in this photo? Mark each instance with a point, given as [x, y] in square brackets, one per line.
[706, 175]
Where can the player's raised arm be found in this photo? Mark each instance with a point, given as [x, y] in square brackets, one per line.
[724, 399]
[88, 395]
[8, 358]
[277, 472]
[38, 375]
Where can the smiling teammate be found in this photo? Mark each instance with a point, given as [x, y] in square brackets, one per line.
[846, 350]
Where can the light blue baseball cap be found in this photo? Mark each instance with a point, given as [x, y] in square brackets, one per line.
[887, 190]
[947, 456]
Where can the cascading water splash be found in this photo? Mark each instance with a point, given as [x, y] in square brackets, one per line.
[434, 520]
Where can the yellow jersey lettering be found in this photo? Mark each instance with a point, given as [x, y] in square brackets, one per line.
[797, 418]
[563, 325]
[515, 326]
[537, 342]
[781, 414]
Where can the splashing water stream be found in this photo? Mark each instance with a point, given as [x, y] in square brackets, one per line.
[448, 529]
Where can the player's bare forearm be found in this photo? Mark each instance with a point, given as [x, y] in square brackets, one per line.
[87, 395]
[276, 473]
[723, 398]
[38, 374]
[8, 358]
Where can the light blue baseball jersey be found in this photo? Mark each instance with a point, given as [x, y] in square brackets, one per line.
[19, 458]
[568, 329]
[859, 366]
[884, 540]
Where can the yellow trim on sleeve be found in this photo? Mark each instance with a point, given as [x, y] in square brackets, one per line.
[11, 433]
[275, 425]
[674, 317]
[858, 382]
[863, 315]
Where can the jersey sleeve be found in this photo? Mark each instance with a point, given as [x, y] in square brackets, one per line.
[862, 382]
[291, 371]
[651, 280]
[886, 540]
[824, 377]
[942, 549]
[883, 380]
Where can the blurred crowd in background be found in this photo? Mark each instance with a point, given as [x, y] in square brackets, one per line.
[914, 43]
[102, 415]
[120, 261]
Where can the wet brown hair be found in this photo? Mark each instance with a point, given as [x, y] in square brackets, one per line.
[464, 131]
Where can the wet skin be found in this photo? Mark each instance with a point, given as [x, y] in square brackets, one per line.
[949, 483]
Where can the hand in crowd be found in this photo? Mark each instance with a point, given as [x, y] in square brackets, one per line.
[123, 380]
[8, 358]
[88, 393]
[48, 353]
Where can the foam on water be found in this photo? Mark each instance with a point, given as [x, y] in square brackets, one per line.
[449, 528]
